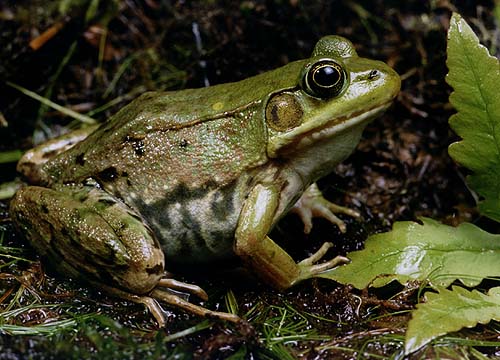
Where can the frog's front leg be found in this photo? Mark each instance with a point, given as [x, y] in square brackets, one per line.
[87, 233]
[268, 259]
[313, 204]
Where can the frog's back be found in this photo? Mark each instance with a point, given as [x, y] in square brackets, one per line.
[215, 130]
[148, 147]
[185, 170]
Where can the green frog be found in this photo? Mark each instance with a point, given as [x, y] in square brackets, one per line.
[198, 176]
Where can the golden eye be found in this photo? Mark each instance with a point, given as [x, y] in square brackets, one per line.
[324, 79]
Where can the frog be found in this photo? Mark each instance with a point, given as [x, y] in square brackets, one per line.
[195, 177]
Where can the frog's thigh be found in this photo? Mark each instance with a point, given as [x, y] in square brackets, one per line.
[86, 232]
[268, 260]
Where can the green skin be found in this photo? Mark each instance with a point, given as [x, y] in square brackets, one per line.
[197, 176]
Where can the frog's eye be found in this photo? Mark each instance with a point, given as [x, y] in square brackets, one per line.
[324, 79]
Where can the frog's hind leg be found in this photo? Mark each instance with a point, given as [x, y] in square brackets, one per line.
[89, 234]
[182, 286]
[151, 303]
[179, 302]
[171, 298]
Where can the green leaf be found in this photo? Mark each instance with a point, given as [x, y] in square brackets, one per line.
[474, 76]
[431, 251]
[448, 311]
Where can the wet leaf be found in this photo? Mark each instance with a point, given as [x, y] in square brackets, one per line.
[428, 251]
[448, 311]
[474, 76]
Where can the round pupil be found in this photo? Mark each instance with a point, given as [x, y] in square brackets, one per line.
[326, 76]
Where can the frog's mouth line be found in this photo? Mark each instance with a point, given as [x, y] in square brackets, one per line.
[329, 129]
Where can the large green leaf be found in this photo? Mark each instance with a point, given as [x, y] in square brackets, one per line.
[474, 76]
[450, 311]
[429, 251]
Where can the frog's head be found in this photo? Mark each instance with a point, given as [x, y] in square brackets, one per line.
[337, 94]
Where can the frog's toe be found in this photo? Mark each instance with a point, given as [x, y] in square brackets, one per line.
[151, 299]
[150, 303]
[318, 255]
[305, 215]
[309, 268]
[330, 264]
[153, 307]
[313, 204]
[182, 286]
[179, 302]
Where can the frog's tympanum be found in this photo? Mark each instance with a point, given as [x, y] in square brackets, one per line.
[197, 176]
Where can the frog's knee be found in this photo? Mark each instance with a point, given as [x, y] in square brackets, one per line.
[25, 206]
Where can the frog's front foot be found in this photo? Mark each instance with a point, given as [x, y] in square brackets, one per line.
[271, 262]
[313, 204]
[309, 268]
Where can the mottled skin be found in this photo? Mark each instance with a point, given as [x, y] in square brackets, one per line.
[201, 175]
